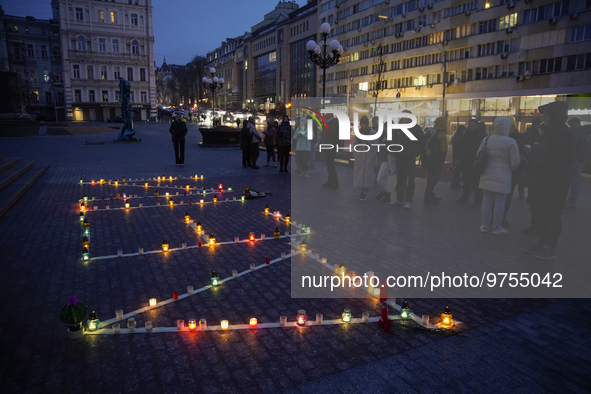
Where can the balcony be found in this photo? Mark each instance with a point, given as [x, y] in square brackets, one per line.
[107, 56]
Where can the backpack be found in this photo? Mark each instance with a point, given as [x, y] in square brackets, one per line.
[245, 135]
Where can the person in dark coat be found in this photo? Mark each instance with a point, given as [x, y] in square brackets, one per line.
[284, 143]
[549, 182]
[269, 140]
[475, 133]
[178, 130]
[245, 138]
[516, 174]
[330, 136]
[457, 141]
[405, 162]
[436, 152]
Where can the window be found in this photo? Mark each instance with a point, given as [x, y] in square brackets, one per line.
[579, 62]
[580, 33]
[77, 96]
[90, 71]
[79, 14]
[117, 97]
[103, 72]
[33, 76]
[60, 97]
[48, 99]
[105, 95]
[144, 97]
[135, 47]
[133, 19]
[507, 21]
[102, 44]
[113, 17]
[44, 51]
[91, 97]
[130, 73]
[30, 50]
[131, 97]
[76, 71]
[81, 43]
[35, 94]
[142, 74]
[15, 28]
[100, 16]
[115, 46]
[116, 72]
[46, 76]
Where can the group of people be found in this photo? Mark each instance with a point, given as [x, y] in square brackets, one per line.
[275, 135]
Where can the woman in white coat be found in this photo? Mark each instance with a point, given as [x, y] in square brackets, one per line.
[503, 158]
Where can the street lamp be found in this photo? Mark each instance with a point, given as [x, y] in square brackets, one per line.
[444, 61]
[321, 58]
[214, 83]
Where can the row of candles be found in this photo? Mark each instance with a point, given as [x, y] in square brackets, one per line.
[301, 319]
[123, 179]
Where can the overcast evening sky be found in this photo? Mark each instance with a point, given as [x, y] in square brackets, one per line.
[182, 28]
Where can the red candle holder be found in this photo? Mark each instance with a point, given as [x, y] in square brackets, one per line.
[251, 236]
[175, 295]
[102, 197]
[185, 193]
[267, 261]
[190, 202]
[220, 186]
[200, 244]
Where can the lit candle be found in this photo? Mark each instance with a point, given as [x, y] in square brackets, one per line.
[187, 217]
[215, 280]
[253, 322]
[201, 176]
[276, 233]
[146, 184]
[287, 218]
[192, 324]
[85, 242]
[302, 318]
[188, 186]
[229, 189]
[211, 240]
[324, 260]
[81, 181]
[446, 317]
[126, 204]
[224, 324]
[215, 200]
[220, 187]
[93, 321]
[198, 226]
[81, 217]
[405, 310]
[152, 302]
[266, 209]
[347, 315]
[85, 254]
[251, 236]
[165, 245]
[201, 201]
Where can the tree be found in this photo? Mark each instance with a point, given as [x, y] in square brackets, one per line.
[381, 82]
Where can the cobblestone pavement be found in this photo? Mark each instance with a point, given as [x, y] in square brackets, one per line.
[40, 249]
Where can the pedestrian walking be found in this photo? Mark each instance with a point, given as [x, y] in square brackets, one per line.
[245, 138]
[237, 122]
[364, 167]
[549, 182]
[302, 147]
[178, 130]
[254, 144]
[405, 162]
[581, 152]
[284, 143]
[269, 140]
[502, 159]
[330, 137]
[457, 142]
[475, 133]
[436, 154]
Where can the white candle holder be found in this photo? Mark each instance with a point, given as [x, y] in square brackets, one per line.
[236, 239]
[365, 316]
[319, 318]
[425, 320]
[234, 198]
[252, 267]
[287, 233]
[177, 193]
[295, 223]
[262, 237]
[234, 273]
[141, 205]
[108, 207]
[317, 256]
[92, 198]
[116, 328]
[148, 326]
[189, 290]
[140, 250]
[119, 314]
[283, 254]
[95, 207]
[324, 260]
[157, 204]
[184, 245]
[133, 184]
[202, 324]
[282, 320]
[293, 251]
[119, 253]
[180, 325]
[181, 203]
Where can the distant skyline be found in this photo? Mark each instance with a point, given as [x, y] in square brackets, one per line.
[182, 28]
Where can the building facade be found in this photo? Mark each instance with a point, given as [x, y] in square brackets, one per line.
[488, 57]
[102, 42]
[30, 58]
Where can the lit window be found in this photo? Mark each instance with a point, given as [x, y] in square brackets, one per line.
[113, 17]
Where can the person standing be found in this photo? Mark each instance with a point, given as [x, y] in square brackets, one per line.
[245, 139]
[302, 147]
[269, 140]
[503, 159]
[178, 130]
[406, 162]
[383, 165]
[436, 152]
[516, 175]
[284, 146]
[582, 145]
[364, 167]
[474, 136]
[330, 136]
[457, 141]
[549, 183]
[254, 143]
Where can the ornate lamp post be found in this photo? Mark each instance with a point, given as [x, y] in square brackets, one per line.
[321, 58]
[214, 83]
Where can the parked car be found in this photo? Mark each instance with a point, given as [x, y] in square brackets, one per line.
[179, 112]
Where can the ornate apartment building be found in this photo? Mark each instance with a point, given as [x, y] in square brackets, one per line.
[101, 42]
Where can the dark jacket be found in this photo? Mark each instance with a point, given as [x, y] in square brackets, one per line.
[330, 136]
[410, 148]
[550, 161]
[531, 136]
[269, 134]
[472, 141]
[178, 130]
[457, 142]
[284, 134]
